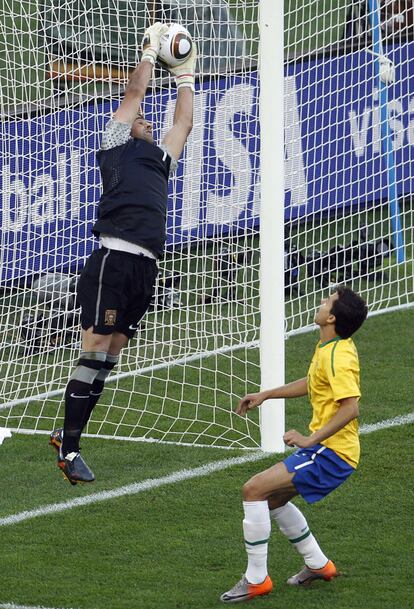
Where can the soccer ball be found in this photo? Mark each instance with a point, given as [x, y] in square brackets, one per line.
[175, 46]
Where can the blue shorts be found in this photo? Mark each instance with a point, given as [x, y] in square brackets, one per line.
[318, 471]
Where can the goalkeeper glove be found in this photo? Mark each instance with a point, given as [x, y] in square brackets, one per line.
[151, 42]
[184, 73]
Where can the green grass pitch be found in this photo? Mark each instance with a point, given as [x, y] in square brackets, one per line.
[180, 546]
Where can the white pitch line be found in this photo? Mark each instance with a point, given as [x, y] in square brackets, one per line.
[180, 476]
[403, 419]
[131, 489]
[13, 606]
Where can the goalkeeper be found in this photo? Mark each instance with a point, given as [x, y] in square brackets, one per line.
[325, 459]
[117, 282]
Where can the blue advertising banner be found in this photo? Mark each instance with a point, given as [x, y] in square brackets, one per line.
[333, 149]
[50, 184]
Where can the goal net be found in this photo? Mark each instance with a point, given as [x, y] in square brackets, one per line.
[348, 212]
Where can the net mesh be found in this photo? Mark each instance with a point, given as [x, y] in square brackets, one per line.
[348, 208]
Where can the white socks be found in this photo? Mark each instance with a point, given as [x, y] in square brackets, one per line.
[256, 528]
[292, 523]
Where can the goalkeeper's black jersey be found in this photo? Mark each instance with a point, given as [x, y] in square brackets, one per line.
[133, 205]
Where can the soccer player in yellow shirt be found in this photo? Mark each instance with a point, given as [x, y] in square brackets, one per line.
[324, 459]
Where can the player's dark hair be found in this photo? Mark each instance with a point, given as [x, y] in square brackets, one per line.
[350, 311]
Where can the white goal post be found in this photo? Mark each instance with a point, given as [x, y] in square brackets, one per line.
[272, 189]
[298, 175]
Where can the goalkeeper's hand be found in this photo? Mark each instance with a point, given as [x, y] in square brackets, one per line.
[184, 73]
[151, 41]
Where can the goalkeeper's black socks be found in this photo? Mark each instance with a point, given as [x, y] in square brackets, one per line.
[98, 385]
[77, 397]
[94, 397]
[76, 404]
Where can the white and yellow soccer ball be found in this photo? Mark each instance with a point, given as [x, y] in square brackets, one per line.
[175, 46]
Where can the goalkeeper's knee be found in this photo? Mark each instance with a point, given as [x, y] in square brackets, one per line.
[88, 367]
[107, 367]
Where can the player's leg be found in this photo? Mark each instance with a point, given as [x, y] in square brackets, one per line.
[81, 384]
[118, 342]
[317, 471]
[77, 396]
[101, 297]
[277, 482]
[99, 301]
[139, 279]
[256, 528]
[292, 523]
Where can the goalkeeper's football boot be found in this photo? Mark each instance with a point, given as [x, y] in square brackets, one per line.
[306, 576]
[56, 439]
[74, 468]
[245, 591]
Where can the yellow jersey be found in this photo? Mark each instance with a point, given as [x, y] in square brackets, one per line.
[334, 375]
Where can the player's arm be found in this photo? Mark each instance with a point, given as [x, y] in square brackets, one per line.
[134, 93]
[176, 137]
[348, 410]
[141, 76]
[295, 389]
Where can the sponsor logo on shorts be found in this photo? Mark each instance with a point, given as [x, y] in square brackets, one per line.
[110, 317]
[83, 397]
[131, 327]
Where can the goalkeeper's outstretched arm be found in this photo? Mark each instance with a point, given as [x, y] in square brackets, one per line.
[141, 76]
[177, 136]
[134, 93]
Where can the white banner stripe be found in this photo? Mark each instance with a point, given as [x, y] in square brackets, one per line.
[180, 476]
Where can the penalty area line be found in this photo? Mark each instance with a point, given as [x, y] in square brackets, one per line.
[180, 476]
